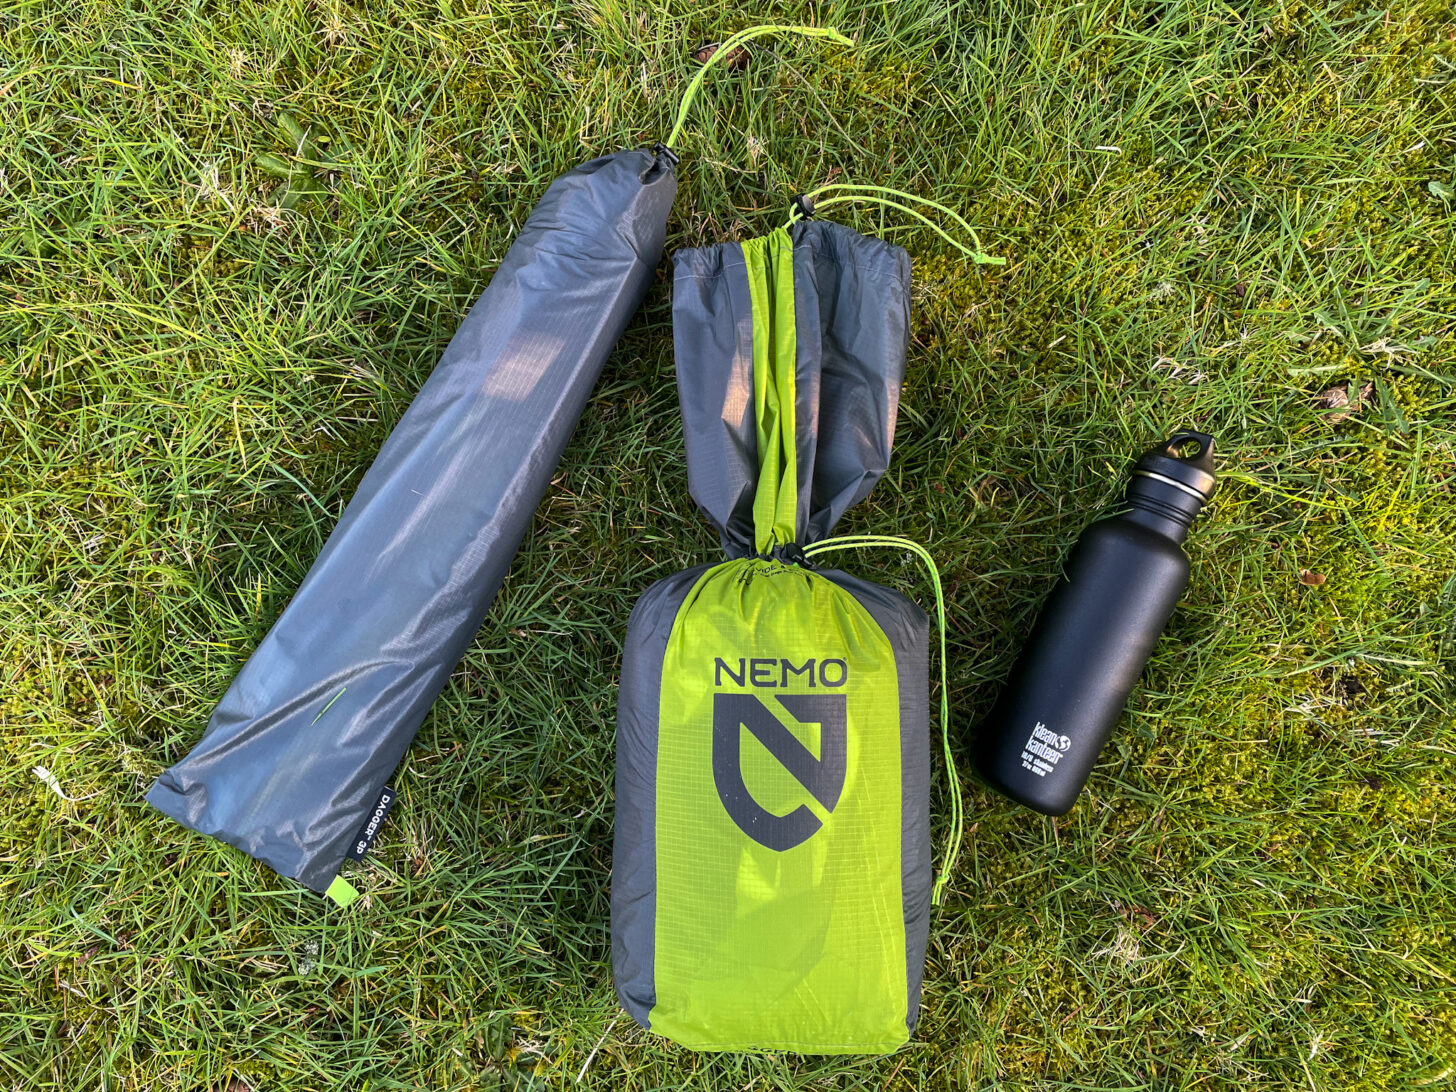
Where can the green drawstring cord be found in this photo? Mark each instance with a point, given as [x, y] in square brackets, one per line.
[957, 817]
[726, 50]
[869, 193]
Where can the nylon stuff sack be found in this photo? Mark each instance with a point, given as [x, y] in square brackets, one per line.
[294, 763]
[771, 882]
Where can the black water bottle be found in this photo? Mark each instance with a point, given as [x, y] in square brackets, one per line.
[1096, 632]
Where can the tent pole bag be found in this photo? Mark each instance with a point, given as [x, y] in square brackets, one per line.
[294, 763]
[771, 882]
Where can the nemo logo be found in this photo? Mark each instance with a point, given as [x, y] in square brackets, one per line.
[822, 777]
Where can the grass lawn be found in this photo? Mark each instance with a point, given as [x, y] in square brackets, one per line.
[1240, 217]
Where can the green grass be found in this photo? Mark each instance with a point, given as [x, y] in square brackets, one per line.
[1212, 213]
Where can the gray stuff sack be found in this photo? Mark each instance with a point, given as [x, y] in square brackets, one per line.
[295, 756]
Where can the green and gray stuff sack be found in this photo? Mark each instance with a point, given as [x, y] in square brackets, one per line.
[771, 884]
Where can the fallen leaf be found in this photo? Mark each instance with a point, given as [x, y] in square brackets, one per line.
[1148, 917]
[736, 61]
[55, 786]
[1334, 398]
[1345, 399]
[51, 783]
[1312, 579]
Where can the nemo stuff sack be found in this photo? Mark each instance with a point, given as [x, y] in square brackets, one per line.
[771, 883]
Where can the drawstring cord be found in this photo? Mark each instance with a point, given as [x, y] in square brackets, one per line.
[726, 50]
[957, 816]
[870, 194]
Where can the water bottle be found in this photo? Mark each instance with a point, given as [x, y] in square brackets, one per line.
[1096, 632]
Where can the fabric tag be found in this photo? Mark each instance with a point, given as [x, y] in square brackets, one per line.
[371, 827]
[342, 892]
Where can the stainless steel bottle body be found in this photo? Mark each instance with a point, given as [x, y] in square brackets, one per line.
[1096, 632]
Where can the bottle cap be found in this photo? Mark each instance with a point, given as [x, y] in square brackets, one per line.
[1171, 483]
[1184, 461]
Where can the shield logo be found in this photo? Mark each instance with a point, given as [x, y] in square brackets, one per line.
[823, 777]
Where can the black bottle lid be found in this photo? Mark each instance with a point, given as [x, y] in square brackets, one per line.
[1175, 479]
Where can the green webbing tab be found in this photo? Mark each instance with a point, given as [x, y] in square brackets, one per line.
[342, 892]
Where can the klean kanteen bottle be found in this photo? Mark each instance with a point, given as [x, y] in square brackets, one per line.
[1096, 632]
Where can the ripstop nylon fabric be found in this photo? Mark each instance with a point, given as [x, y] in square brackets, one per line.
[769, 263]
[851, 322]
[789, 934]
